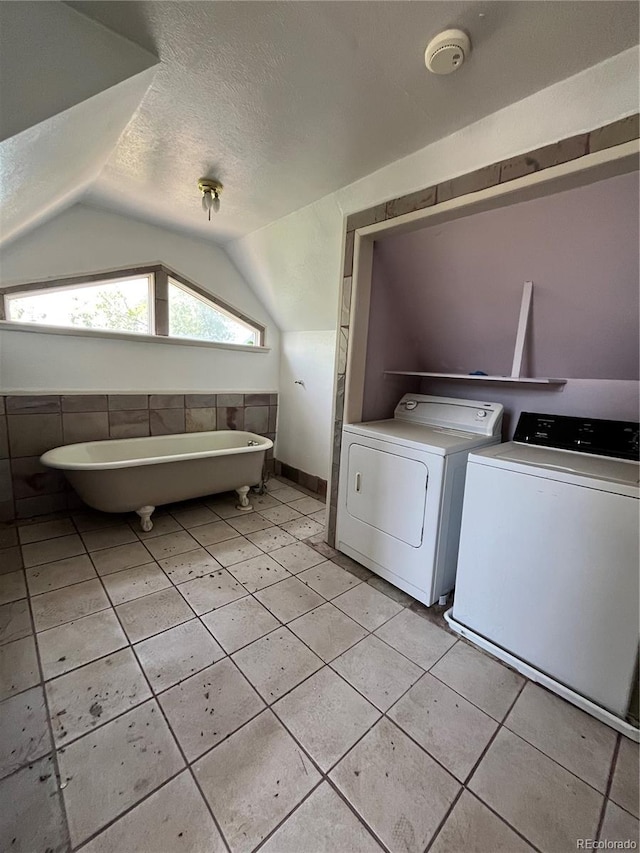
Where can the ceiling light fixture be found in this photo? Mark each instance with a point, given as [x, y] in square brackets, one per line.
[210, 190]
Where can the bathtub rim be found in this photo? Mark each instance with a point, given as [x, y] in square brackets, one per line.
[50, 460]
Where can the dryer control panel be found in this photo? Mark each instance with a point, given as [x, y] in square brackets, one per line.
[449, 413]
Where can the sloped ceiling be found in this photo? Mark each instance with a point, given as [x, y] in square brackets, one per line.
[68, 88]
[286, 102]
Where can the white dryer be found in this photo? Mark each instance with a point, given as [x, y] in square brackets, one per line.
[402, 485]
[548, 562]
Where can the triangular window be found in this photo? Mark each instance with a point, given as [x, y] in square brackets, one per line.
[192, 316]
[151, 300]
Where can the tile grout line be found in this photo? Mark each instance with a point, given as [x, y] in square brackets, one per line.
[609, 785]
[155, 700]
[53, 751]
[481, 758]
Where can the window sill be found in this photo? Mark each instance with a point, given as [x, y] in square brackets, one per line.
[9, 326]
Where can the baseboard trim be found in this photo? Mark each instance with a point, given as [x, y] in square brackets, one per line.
[307, 481]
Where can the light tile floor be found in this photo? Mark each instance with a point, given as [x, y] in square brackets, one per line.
[230, 682]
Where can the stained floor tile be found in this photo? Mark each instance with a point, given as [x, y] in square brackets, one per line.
[624, 786]
[258, 572]
[61, 573]
[398, 790]
[75, 643]
[328, 579]
[32, 818]
[170, 544]
[398, 773]
[120, 557]
[326, 715]
[133, 583]
[95, 693]
[542, 800]
[302, 528]
[377, 671]
[254, 779]
[367, 606]
[473, 828]
[328, 631]
[296, 558]
[286, 494]
[205, 708]
[307, 506]
[565, 733]
[289, 599]
[213, 590]
[135, 753]
[250, 523]
[143, 617]
[194, 516]
[211, 534]
[619, 826]
[175, 818]
[45, 530]
[276, 663]
[15, 621]
[417, 638]
[451, 729]
[71, 602]
[326, 819]
[50, 550]
[271, 539]
[233, 551]
[12, 587]
[237, 624]
[480, 679]
[177, 653]
[18, 666]
[24, 730]
[190, 565]
[280, 514]
[109, 537]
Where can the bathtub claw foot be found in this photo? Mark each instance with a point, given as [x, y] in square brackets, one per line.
[243, 500]
[145, 517]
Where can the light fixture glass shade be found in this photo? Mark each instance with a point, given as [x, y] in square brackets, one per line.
[210, 190]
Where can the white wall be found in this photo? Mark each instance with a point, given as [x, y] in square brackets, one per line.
[304, 411]
[299, 257]
[84, 239]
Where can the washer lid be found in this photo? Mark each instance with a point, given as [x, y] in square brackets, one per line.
[426, 438]
[564, 465]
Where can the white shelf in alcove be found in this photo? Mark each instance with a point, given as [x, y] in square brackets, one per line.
[521, 380]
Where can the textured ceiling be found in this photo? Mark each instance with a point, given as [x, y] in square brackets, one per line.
[68, 88]
[286, 102]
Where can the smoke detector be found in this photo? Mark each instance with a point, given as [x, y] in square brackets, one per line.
[447, 51]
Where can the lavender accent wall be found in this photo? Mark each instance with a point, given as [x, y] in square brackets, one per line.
[391, 344]
[447, 299]
[459, 285]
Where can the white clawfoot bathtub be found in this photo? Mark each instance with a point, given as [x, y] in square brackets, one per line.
[139, 474]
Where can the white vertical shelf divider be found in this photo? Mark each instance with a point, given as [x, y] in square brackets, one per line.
[523, 326]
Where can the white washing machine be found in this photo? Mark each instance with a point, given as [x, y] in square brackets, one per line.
[548, 562]
[401, 489]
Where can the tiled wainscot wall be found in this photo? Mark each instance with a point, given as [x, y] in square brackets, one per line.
[31, 425]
